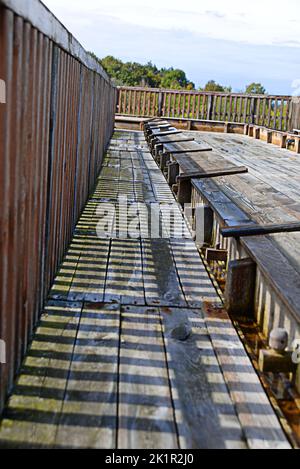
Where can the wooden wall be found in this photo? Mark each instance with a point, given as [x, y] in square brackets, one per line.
[55, 125]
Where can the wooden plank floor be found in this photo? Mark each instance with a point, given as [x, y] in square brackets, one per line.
[134, 349]
[269, 192]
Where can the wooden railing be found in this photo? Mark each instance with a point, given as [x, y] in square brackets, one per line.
[273, 112]
[56, 119]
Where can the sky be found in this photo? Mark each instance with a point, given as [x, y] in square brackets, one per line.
[232, 42]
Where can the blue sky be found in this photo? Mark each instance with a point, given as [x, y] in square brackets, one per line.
[230, 41]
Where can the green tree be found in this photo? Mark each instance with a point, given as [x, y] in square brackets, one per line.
[255, 88]
[211, 85]
[148, 75]
[175, 79]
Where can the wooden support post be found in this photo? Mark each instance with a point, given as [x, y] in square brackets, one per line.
[256, 133]
[160, 104]
[210, 107]
[283, 141]
[226, 127]
[240, 287]
[157, 148]
[250, 130]
[246, 129]
[164, 158]
[184, 194]
[269, 136]
[208, 223]
[173, 171]
[297, 144]
[189, 125]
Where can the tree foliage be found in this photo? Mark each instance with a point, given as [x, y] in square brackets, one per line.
[148, 75]
[211, 85]
[255, 88]
[135, 74]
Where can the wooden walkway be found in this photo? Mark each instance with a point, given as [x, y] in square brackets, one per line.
[134, 349]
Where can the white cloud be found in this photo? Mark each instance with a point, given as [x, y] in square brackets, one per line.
[262, 22]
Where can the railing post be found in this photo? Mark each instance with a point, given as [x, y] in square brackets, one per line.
[294, 118]
[160, 104]
[117, 100]
[253, 110]
[210, 107]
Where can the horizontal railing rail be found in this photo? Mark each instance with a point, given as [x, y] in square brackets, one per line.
[274, 112]
[56, 119]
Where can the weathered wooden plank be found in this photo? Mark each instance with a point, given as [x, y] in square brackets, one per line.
[161, 282]
[89, 413]
[185, 147]
[175, 139]
[204, 412]
[124, 280]
[260, 425]
[89, 278]
[33, 411]
[145, 406]
[213, 173]
[195, 283]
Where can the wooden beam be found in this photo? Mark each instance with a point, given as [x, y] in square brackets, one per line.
[158, 127]
[240, 287]
[173, 132]
[177, 140]
[192, 150]
[213, 173]
[256, 230]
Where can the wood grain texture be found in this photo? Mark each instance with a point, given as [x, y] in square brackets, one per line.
[133, 364]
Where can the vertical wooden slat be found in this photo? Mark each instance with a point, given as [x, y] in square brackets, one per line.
[275, 113]
[203, 104]
[264, 107]
[240, 104]
[281, 114]
[52, 142]
[225, 109]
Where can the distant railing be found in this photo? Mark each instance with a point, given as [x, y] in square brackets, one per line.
[273, 112]
[56, 119]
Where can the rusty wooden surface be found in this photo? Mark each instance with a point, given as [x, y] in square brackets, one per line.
[54, 128]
